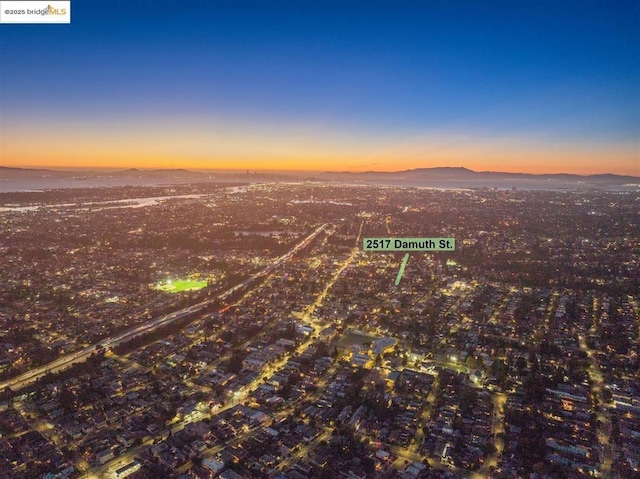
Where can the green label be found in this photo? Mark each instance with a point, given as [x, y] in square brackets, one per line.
[409, 244]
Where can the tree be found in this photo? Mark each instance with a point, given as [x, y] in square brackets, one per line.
[521, 363]
[234, 364]
[67, 400]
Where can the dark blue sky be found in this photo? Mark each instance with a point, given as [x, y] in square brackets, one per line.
[541, 73]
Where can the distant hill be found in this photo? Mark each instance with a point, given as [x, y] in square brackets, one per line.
[9, 172]
[447, 177]
[16, 173]
[465, 177]
[136, 173]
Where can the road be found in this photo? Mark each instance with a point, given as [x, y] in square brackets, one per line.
[69, 360]
[607, 453]
[244, 392]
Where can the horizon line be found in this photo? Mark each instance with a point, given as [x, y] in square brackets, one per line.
[274, 170]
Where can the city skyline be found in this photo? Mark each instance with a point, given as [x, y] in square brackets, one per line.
[326, 86]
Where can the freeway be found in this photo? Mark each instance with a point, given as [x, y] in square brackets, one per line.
[69, 360]
[244, 392]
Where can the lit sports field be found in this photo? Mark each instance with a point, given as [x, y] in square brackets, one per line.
[180, 285]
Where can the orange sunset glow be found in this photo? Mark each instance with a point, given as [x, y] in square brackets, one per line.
[295, 148]
[403, 87]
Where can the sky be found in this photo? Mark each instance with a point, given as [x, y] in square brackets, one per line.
[519, 86]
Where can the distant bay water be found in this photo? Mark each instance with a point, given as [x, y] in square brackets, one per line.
[51, 183]
[8, 185]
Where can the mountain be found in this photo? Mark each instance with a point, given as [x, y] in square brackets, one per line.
[136, 173]
[464, 177]
[30, 173]
[440, 177]
[16, 173]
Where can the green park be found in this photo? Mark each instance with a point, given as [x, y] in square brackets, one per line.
[181, 285]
